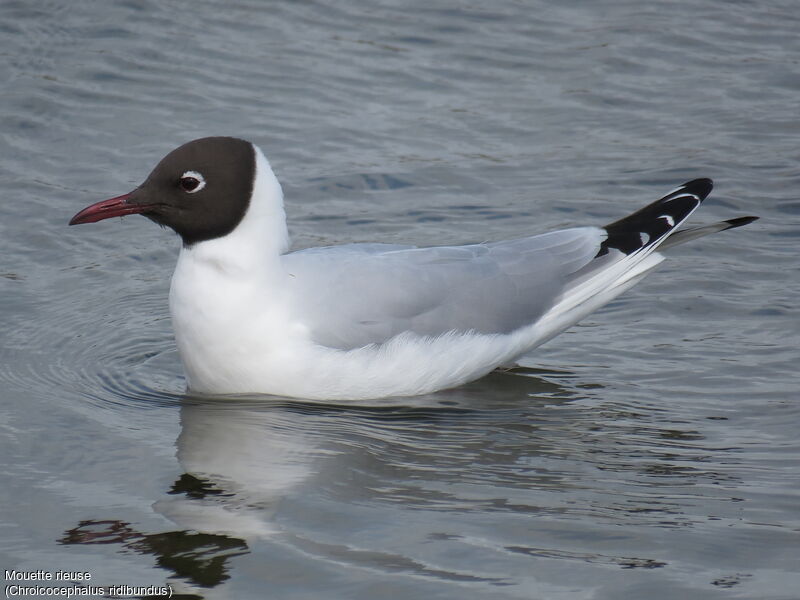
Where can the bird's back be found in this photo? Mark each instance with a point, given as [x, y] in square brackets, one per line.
[358, 294]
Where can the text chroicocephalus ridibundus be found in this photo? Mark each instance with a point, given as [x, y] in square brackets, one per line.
[361, 321]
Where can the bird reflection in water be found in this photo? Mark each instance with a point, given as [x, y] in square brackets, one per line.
[199, 559]
[240, 458]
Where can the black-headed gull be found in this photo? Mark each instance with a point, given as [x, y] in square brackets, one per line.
[361, 321]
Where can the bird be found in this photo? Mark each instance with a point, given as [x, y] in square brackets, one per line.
[364, 321]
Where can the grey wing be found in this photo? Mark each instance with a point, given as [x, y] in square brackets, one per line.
[353, 295]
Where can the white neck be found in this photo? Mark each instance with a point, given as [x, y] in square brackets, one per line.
[232, 289]
[259, 238]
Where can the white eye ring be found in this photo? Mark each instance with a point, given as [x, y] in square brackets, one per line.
[192, 181]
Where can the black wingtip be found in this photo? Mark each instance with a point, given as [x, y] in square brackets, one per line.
[699, 187]
[651, 224]
[739, 221]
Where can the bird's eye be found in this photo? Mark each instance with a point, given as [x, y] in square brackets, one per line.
[192, 182]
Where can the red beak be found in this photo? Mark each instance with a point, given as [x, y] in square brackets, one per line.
[113, 207]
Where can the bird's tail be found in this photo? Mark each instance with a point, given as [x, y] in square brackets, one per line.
[691, 233]
[656, 225]
[630, 250]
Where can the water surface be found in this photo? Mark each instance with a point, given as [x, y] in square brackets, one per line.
[649, 452]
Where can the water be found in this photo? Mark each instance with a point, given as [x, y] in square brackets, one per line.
[650, 452]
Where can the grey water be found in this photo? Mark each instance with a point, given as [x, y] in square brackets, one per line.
[650, 452]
